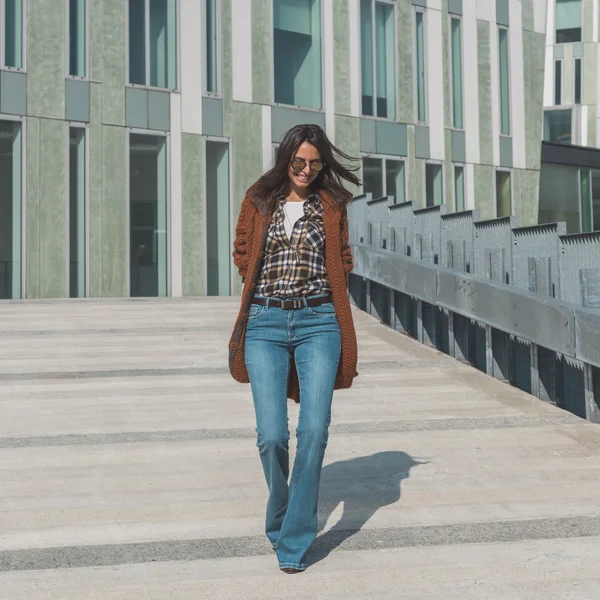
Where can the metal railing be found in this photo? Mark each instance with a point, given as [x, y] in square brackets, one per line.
[520, 303]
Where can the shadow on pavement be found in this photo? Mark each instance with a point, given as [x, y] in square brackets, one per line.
[364, 485]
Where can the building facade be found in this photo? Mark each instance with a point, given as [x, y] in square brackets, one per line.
[130, 129]
[569, 192]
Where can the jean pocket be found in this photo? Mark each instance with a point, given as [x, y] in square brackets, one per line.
[323, 310]
[255, 311]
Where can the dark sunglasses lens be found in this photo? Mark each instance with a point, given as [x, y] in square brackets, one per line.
[317, 166]
[298, 165]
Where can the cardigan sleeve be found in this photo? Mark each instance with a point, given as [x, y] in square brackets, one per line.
[243, 234]
[347, 260]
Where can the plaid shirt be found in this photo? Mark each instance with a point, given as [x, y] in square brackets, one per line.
[282, 275]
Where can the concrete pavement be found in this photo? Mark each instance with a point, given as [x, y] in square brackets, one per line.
[128, 469]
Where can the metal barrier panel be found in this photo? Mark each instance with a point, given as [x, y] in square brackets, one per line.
[401, 228]
[535, 258]
[579, 261]
[457, 240]
[427, 233]
[357, 219]
[378, 217]
[493, 249]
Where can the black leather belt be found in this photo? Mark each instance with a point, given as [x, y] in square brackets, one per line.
[291, 304]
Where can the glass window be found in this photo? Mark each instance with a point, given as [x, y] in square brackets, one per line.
[596, 200]
[10, 209]
[379, 77]
[457, 85]
[559, 195]
[373, 182]
[148, 215]
[459, 188]
[568, 21]
[420, 64]
[212, 48]
[153, 43]
[297, 50]
[578, 81]
[503, 194]
[585, 183]
[395, 180]
[218, 223]
[434, 195]
[504, 81]
[12, 21]
[558, 82]
[77, 212]
[77, 38]
[557, 126]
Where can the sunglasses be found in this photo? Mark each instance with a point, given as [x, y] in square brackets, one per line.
[299, 164]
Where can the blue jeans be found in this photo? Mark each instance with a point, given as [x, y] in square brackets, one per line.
[311, 337]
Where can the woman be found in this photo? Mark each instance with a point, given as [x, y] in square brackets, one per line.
[294, 336]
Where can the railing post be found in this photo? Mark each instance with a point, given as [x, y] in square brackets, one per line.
[535, 371]
[392, 308]
[451, 341]
[592, 412]
[420, 328]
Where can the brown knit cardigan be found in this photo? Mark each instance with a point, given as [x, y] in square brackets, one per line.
[251, 236]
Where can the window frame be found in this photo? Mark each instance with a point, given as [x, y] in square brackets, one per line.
[575, 91]
[86, 77]
[385, 158]
[508, 73]
[86, 127]
[512, 195]
[272, 61]
[558, 62]
[464, 173]
[575, 121]
[393, 4]
[233, 277]
[459, 18]
[3, 66]
[204, 70]
[423, 11]
[438, 163]
[150, 133]
[146, 86]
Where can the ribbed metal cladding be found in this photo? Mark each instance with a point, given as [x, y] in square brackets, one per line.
[427, 233]
[578, 253]
[401, 227]
[493, 243]
[457, 240]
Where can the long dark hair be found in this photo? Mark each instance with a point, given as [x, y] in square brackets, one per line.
[331, 178]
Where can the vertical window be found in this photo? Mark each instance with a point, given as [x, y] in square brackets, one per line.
[503, 194]
[568, 21]
[218, 220]
[596, 200]
[377, 59]
[384, 177]
[77, 38]
[153, 43]
[558, 126]
[12, 28]
[212, 47]
[10, 209]
[457, 84]
[434, 195]
[504, 81]
[148, 215]
[297, 51]
[578, 81]
[585, 189]
[459, 188]
[420, 64]
[558, 82]
[77, 212]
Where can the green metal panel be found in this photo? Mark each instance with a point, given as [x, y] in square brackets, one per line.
[262, 52]
[212, 117]
[404, 59]
[77, 100]
[559, 51]
[589, 77]
[159, 110]
[506, 151]
[502, 12]
[347, 138]
[114, 212]
[33, 208]
[422, 141]
[534, 50]
[368, 135]
[194, 257]
[486, 151]
[341, 56]
[13, 93]
[136, 107]
[577, 50]
[455, 7]
[391, 138]
[113, 65]
[95, 192]
[458, 146]
[420, 2]
[53, 208]
[485, 184]
[283, 119]
[46, 59]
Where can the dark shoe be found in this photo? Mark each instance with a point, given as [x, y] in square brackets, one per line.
[291, 571]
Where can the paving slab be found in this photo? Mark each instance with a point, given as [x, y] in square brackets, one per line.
[129, 469]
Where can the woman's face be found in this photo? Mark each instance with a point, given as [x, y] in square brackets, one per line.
[305, 165]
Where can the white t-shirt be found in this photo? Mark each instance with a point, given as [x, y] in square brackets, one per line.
[293, 212]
